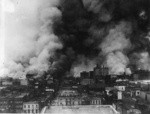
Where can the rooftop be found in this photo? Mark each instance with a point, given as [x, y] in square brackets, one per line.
[82, 109]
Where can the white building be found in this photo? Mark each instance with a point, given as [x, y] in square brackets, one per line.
[31, 107]
[120, 88]
[119, 95]
[7, 83]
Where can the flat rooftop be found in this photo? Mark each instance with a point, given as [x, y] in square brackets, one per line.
[82, 109]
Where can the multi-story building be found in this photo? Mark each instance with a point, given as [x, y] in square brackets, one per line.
[67, 101]
[72, 98]
[12, 103]
[100, 71]
[4, 104]
[66, 96]
[31, 107]
[18, 102]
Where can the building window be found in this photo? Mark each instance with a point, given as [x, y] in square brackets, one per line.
[24, 106]
[28, 106]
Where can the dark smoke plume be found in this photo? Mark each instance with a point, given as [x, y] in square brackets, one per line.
[105, 32]
[78, 34]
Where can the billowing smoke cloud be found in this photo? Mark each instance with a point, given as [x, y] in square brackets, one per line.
[117, 62]
[83, 64]
[98, 8]
[144, 61]
[114, 46]
[29, 37]
[74, 35]
[108, 32]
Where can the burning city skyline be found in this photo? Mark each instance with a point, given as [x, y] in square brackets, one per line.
[58, 36]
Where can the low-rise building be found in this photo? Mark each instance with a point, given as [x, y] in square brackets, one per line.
[18, 102]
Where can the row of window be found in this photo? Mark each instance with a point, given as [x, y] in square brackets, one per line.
[18, 102]
[31, 111]
[96, 102]
[19, 106]
[3, 107]
[5, 102]
[30, 106]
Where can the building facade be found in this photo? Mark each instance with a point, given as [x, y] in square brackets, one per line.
[31, 107]
[12, 103]
[73, 98]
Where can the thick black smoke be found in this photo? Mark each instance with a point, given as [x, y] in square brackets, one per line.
[109, 32]
[60, 36]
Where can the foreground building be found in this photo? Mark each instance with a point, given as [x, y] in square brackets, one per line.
[71, 97]
[83, 109]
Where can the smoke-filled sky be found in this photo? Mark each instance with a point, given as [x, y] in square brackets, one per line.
[61, 36]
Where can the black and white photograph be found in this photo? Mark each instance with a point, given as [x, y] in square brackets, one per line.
[75, 56]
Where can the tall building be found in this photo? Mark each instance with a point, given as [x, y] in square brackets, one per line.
[84, 74]
[100, 71]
